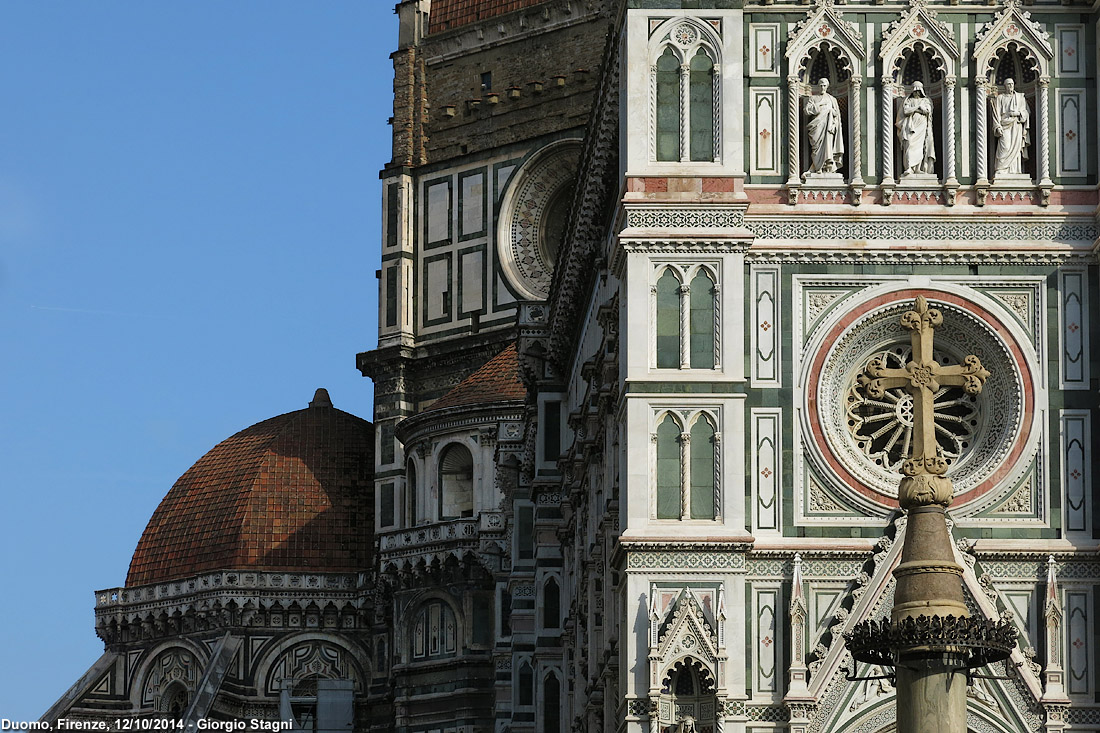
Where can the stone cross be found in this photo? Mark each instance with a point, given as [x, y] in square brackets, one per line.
[924, 482]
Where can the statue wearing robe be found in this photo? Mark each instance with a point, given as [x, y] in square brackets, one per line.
[914, 123]
[687, 725]
[823, 126]
[1011, 121]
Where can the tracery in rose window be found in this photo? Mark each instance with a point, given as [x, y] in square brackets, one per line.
[883, 427]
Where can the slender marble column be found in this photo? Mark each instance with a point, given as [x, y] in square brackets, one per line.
[794, 166]
[887, 130]
[949, 143]
[981, 116]
[685, 72]
[685, 324]
[1044, 132]
[856, 115]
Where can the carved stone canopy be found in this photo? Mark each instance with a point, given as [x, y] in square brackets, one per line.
[824, 28]
[1012, 25]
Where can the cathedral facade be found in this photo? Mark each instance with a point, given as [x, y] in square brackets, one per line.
[634, 257]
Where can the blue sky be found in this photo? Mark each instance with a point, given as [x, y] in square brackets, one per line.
[189, 226]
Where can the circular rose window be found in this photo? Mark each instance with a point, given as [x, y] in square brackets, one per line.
[533, 216]
[860, 440]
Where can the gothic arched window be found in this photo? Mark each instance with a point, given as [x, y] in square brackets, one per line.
[456, 483]
[434, 631]
[686, 319]
[687, 461]
[668, 321]
[685, 95]
[701, 322]
[702, 470]
[551, 604]
[668, 105]
[701, 108]
[526, 690]
[551, 704]
[669, 470]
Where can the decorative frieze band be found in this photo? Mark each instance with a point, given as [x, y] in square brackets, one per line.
[677, 217]
[684, 560]
[913, 228]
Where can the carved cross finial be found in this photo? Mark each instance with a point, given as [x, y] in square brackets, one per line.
[922, 378]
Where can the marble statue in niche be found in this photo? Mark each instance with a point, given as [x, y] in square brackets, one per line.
[823, 126]
[1011, 122]
[914, 123]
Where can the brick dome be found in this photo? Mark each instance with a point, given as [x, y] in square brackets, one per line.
[290, 493]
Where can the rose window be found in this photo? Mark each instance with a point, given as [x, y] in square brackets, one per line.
[883, 427]
[857, 443]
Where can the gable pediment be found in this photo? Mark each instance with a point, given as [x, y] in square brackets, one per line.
[824, 24]
[918, 25]
[1012, 24]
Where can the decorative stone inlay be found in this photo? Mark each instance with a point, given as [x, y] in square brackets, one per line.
[924, 229]
[684, 560]
[820, 501]
[533, 217]
[857, 442]
[676, 217]
[685, 35]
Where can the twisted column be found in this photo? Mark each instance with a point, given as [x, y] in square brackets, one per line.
[685, 322]
[949, 143]
[653, 112]
[718, 476]
[717, 326]
[716, 99]
[684, 91]
[1044, 132]
[887, 131]
[981, 117]
[794, 166]
[857, 131]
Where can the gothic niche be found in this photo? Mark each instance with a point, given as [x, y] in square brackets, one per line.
[1013, 87]
[824, 115]
[919, 125]
[456, 482]
[687, 693]
[687, 651]
[533, 216]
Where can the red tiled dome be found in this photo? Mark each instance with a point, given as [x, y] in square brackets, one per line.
[497, 380]
[290, 493]
[448, 14]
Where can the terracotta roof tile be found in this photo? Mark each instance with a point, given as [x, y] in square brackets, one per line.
[497, 381]
[447, 14]
[290, 493]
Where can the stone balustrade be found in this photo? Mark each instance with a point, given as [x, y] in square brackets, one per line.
[431, 541]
